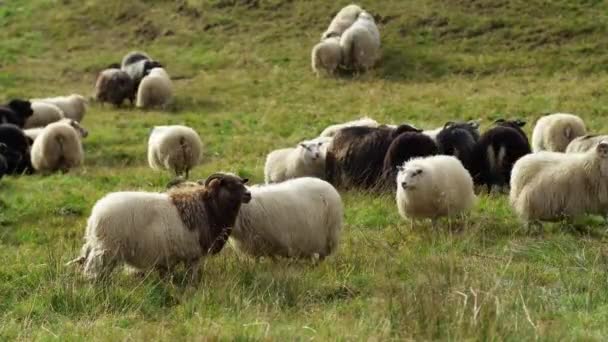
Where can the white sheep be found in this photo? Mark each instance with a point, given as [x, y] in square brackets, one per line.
[306, 159]
[548, 186]
[331, 130]
[74, 106]
[155, 89]
[299, 218]
[44, 114]
[176, 148]
[585, 143]
[361, 43]
[160, 230]
[34, 133]
[58, 147]
[432, 187]
[555, 131]
[326, 56]
[342, 21]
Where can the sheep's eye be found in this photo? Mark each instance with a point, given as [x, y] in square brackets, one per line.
[418, 172]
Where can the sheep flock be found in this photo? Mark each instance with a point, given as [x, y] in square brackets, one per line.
[431, 173]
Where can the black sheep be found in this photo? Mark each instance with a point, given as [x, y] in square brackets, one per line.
[497, 151]
[3, 164]
[458, 139]
[16, 112]
[356, 155]
[17, 149]
[403, 148]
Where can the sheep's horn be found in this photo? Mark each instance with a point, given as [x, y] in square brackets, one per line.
[212, 177]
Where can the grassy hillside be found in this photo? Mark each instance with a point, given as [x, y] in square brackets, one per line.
[243, 80]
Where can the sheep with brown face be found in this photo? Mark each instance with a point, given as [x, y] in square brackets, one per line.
[147, 230]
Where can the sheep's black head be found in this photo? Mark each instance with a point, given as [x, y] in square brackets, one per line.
[403, 129]
[227, 188]
[471, 126]
[510, 123]
[21, 107]
[149, 65]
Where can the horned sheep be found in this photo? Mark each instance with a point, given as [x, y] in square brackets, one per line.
[434, 187]
[549, 186]
[299, 218]
[176, 148]
[160, 230]
[555, 131]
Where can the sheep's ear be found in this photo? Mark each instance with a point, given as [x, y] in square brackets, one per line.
[214, 185]
[400, 168]
[520, 123]
[473, 123]
[245, 180]
[302, 145]
[501, 120]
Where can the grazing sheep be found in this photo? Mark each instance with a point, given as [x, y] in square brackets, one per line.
[74, 106]
[403, 148]
[361, 43]
[433, 187]
[114, 86]
[176, 148]
[133, 57]
[299, 218]
[555, 131]
[17, 147]
[355, 157]
[330, 131]
[160, 230]
[155, 89]
[342, 20]
[458, 139]
[306, 159]
[549, 186]
[58, 147]
[496, 152]
[16, 112]
[326, 56]
[44, 114]
[585, 143]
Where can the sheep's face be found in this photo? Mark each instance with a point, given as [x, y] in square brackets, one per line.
[312, 151]
[228, 189]
[410, 177]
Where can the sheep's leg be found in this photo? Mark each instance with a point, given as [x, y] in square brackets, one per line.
[99, 264]
[193, 268]
[534, 226]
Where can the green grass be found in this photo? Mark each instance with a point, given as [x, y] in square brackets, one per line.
[244, 82]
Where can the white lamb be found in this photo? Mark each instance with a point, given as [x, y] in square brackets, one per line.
[176, 148]
[160, 230]
[548, 186]
[299, 218]
[306, 159]
[58, 147]
[585, 143]
[433, 187]
[330, 131]
[155, 89]
[326, 56]
[342, 20]
[555, 131]
[73, 106]
[44, 114]
[361, 43]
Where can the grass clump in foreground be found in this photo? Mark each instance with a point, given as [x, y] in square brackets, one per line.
[243, 81]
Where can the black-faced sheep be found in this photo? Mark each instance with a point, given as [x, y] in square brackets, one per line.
[496, 152]
[433, 187]
[74, 106]
[306, 159]
[58, 147]
[361, 43]
[403, 148]
[458, 139]
[299, 218]
[138, 70]
[549, 186]
[17, 149]
[585, 143]
[355, 157]
[555, 131]
[155, 90]
[114, 86]
[160, 230]
[176, 148]
[16, 112]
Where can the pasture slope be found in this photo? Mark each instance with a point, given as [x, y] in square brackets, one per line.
[243, 80]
